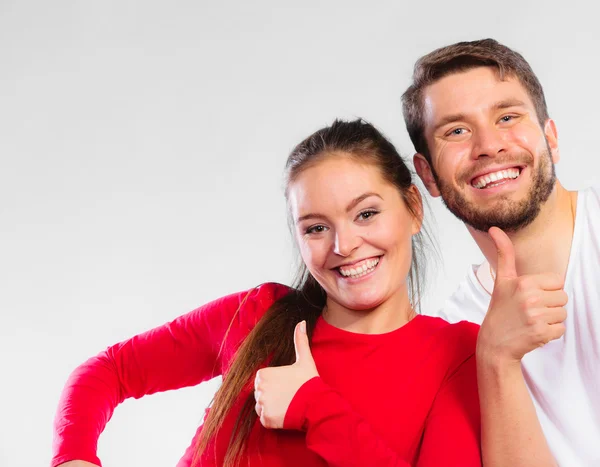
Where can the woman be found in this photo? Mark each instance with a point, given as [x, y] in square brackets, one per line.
[378, 385]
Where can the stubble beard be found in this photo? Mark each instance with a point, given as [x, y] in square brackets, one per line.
[505, 213]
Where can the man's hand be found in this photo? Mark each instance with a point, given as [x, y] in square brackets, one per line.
[526, 312]
[275, 387]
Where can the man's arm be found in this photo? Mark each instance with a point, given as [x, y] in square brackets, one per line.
[511, 433]
[525, 313]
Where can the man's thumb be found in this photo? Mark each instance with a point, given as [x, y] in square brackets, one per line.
[301, 345]
[506, 266]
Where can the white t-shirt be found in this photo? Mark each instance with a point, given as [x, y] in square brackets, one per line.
[564, 375]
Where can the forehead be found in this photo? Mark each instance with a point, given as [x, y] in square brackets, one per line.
[470, 92]
[333, 182]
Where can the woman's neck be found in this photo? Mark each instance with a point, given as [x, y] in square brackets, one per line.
[388, 316]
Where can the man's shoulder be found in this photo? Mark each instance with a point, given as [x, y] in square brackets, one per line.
[469, 302]
[590, 197]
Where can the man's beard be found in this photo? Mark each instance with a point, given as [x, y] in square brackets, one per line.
[503, 213]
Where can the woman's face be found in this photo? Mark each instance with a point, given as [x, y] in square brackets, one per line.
[353, 230]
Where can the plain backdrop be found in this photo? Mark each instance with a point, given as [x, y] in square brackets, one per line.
[141, 152]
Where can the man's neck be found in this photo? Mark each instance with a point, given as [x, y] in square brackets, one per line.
[544, 245]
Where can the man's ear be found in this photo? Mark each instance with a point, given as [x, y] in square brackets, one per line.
[552, 138]
[425, 174]
[416, 201]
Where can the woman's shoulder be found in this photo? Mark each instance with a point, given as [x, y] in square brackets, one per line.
[250, 301]
[456, 341]
[238, 312]
[243, 310]
[462, 329]
[268, 293]
[253, 303]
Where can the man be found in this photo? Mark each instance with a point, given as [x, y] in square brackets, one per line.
[477, 116]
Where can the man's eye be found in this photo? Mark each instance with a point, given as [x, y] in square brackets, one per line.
[457, 132]
[507, 118]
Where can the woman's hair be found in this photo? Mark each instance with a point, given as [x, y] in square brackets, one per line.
[271, 340]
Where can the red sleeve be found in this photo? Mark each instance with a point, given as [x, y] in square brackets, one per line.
[188, 457]
[453, 427]
[182, 353]
[334, 431]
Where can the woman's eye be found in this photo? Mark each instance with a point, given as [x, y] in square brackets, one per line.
[367, 214]
[316, 229]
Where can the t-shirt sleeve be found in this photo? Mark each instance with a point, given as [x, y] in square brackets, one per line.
[452, 429]
[469, 302]
[182, 353]
[335, 431]
[451, 436]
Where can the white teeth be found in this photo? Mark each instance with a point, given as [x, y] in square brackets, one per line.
[484, 181]
[361, 270]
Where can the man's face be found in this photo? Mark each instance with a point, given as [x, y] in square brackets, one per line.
[492, 163]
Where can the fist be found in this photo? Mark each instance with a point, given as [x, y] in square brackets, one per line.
[275, 387]
[525, 312]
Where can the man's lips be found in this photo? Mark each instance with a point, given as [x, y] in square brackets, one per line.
[496, 176]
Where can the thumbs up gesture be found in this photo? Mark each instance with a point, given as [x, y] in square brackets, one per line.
[275, 387]
[525, 312]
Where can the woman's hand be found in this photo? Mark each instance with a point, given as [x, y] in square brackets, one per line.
[275, 387]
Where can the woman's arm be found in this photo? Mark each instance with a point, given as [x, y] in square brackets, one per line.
[452, 429]
[295, 397]
[182, 353]
[335, 431]
[343, 438]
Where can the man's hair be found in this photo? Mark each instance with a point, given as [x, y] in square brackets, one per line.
[457, 58]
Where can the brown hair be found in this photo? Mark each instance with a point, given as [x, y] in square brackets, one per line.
[457, 58]
[271, 340]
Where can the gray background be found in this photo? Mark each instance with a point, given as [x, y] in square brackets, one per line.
[141, 152]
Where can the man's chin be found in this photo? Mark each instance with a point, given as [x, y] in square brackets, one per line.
[482, 221]
[508, 214]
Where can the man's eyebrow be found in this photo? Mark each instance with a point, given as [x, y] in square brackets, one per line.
[506, 103]
[503, 104]
[349, 208]
[449, 119]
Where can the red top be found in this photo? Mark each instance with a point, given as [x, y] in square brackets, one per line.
[404, 398]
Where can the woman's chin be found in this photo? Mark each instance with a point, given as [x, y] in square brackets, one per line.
[363, 303]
